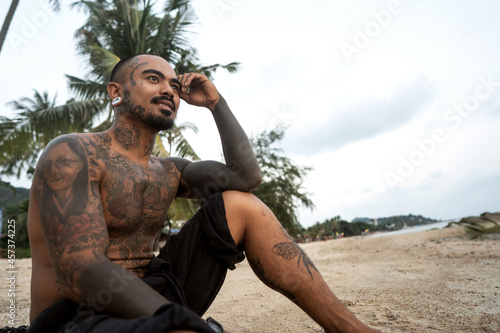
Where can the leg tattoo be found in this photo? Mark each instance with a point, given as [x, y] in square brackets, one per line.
[259, 271]
[290, 250]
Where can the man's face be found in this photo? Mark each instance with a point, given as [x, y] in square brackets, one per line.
[151, 91]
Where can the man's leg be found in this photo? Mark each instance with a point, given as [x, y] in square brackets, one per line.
[282, 265]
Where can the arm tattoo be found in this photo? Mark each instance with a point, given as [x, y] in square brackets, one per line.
[66, 269]
[290, 250]
[71, 220]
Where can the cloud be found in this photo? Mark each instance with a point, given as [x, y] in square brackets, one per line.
[361, 120]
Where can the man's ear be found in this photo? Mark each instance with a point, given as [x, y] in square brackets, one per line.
[114, 90]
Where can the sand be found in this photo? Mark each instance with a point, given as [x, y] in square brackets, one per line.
[431, 281]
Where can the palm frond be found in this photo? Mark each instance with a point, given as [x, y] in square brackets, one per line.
[182, 209]
[86, 89]
[160, 148]
[178, 145]
[115, 29]
[55, 5]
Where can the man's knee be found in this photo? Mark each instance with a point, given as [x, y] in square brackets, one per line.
[241, 204]
[243, 210]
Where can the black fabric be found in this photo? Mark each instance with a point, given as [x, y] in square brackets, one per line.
[201, 253]
[189, 271]
[8, 329]
[54, 318]
[65, 316]
[159, 276]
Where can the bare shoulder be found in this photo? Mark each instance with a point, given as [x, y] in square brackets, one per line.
[174, 162]
[171, 166]
[174, 167]
[89, 148]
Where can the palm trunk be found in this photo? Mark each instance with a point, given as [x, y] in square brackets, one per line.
[6, 23]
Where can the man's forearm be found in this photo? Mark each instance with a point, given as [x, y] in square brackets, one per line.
[111, 289]
[238, 152]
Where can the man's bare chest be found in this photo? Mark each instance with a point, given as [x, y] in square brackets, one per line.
[135, 197]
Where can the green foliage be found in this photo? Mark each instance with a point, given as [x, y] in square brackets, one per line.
[327, 228]
[18, 215]
[11, 196]
[37, 122]
[14, 206]
[354, 228]
[281, 188]
[114, 30]
[177, 145]
[400, 221]
[334, 226]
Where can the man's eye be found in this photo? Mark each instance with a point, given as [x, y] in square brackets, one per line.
[154, 78]
[175, 87]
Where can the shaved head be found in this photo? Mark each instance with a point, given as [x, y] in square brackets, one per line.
[117, 73]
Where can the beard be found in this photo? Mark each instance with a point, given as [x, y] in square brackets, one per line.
[159, 123]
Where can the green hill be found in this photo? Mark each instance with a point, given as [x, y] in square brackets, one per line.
[11, 196]
[398, 221]
[336, 226]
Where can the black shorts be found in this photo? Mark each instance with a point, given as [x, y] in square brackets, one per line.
[189, 271]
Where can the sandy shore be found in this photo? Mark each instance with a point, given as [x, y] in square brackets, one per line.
[432, 281]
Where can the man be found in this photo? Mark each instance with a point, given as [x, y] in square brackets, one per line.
[99, 199]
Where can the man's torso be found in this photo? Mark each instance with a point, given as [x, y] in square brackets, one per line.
[135, 199]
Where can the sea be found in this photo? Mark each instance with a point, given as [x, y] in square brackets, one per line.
[424, 227]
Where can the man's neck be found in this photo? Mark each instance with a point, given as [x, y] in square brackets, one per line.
[133, 139]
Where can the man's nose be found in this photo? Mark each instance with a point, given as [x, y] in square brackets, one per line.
[167, 90]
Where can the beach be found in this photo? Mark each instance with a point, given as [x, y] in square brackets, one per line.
[430, 281]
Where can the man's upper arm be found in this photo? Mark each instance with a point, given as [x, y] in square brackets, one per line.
[71, 213]
[201, 179]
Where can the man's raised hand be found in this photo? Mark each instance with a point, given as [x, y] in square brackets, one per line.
[202, 91]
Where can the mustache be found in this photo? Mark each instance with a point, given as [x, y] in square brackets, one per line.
[164, 100]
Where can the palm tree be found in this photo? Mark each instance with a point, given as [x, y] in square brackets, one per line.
[113, 31]
[119, 29]
[10, 16]
[7, 21]
[20, 141]
[282, 180]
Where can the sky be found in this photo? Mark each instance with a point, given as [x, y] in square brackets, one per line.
[394, 104]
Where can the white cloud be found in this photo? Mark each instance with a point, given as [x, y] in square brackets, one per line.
[362, 119]
[350, 121]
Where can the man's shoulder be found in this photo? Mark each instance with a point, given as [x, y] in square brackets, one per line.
[92, 148]
[82, 138]
[168, 162]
